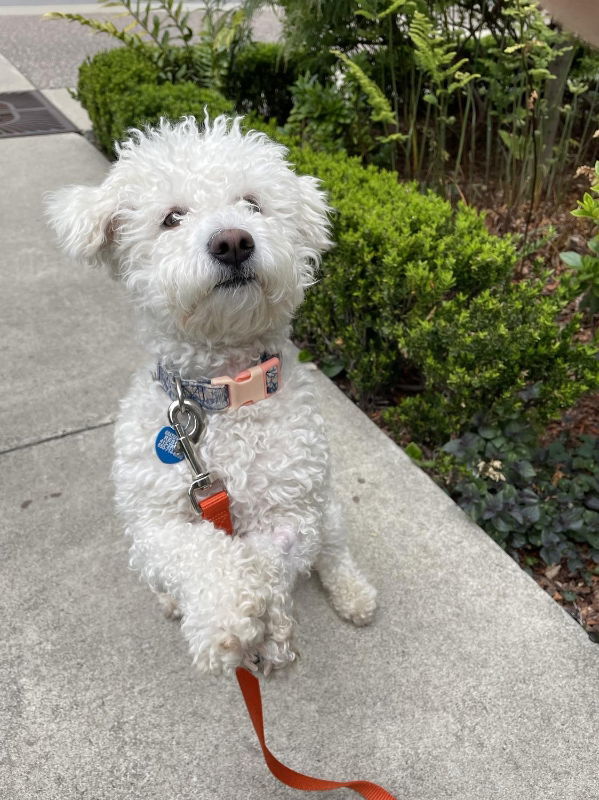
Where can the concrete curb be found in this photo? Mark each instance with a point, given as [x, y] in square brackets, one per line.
[71, 108]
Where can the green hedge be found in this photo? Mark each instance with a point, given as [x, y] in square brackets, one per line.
[106, 79]
[481, 354]
[149, 102]
[119, 89]
[417, 291]
[398, 254]
[122, 88]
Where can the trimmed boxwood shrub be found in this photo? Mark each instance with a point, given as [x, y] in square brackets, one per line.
[487, 354]
[415, 290]
[120, 89]
[398, 254]
[106, 79]
[148, 103]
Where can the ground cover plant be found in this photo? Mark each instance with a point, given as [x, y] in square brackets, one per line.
[524, 493]
[421, 315]
[535, 488]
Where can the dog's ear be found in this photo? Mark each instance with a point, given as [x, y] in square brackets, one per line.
[84, 219]
[314, 222]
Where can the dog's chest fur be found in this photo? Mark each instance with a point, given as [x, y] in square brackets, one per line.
[272, 457]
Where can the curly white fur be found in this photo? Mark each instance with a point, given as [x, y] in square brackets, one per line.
[234, 593]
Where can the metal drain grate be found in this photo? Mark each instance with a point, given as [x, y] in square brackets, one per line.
[30, 114]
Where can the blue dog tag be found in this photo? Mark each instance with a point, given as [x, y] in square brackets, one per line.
[165, 444]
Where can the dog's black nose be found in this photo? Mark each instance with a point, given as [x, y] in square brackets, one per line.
[231, 246]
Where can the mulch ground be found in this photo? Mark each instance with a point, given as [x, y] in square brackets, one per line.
[577, 592]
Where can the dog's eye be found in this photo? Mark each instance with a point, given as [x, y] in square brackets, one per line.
[253, 204]
[173, 218]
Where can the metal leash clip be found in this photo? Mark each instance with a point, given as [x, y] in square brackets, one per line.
[186, 418]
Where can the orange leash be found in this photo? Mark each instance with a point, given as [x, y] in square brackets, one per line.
[216, 509]
[250, 688]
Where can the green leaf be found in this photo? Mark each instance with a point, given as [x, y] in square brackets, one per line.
[502, 525]
[525, 469]
[332, 368]
[571, 258]
[395, 6]
[453, 447]
[540, 73]
[360, 12]
[531, 514]
[305, 356]
[393, 137]
[488, 432]
[516, 144]
[414, 451]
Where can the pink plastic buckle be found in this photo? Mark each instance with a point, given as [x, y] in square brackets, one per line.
[250, 385]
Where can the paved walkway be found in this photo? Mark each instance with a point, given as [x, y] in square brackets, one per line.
[472, 684]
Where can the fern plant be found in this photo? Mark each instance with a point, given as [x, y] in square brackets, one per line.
[437, 61]
[380, 108]
[442, 77]
[161, 29]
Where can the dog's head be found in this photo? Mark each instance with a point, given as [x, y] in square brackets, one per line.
[210, 229]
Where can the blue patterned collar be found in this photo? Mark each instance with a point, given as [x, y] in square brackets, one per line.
[226, 393]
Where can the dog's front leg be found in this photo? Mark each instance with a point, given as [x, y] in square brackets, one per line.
[221, 587]
[352, 596]
[276, 650]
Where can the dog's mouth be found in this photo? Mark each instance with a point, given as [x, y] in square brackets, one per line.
[235, 281]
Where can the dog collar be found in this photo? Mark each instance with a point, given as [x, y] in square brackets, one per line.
[226, 393]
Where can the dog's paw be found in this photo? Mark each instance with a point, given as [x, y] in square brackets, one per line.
[220, 640]
[353, 598]
[270, 656]
[228, 647]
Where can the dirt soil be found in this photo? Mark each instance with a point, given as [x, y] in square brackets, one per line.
[551, 220]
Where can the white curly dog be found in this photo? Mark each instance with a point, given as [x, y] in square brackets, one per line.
[216, 239]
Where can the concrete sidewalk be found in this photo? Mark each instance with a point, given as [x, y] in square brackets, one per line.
[472, 684]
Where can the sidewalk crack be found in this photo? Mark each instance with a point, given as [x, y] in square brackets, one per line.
[56, 436]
